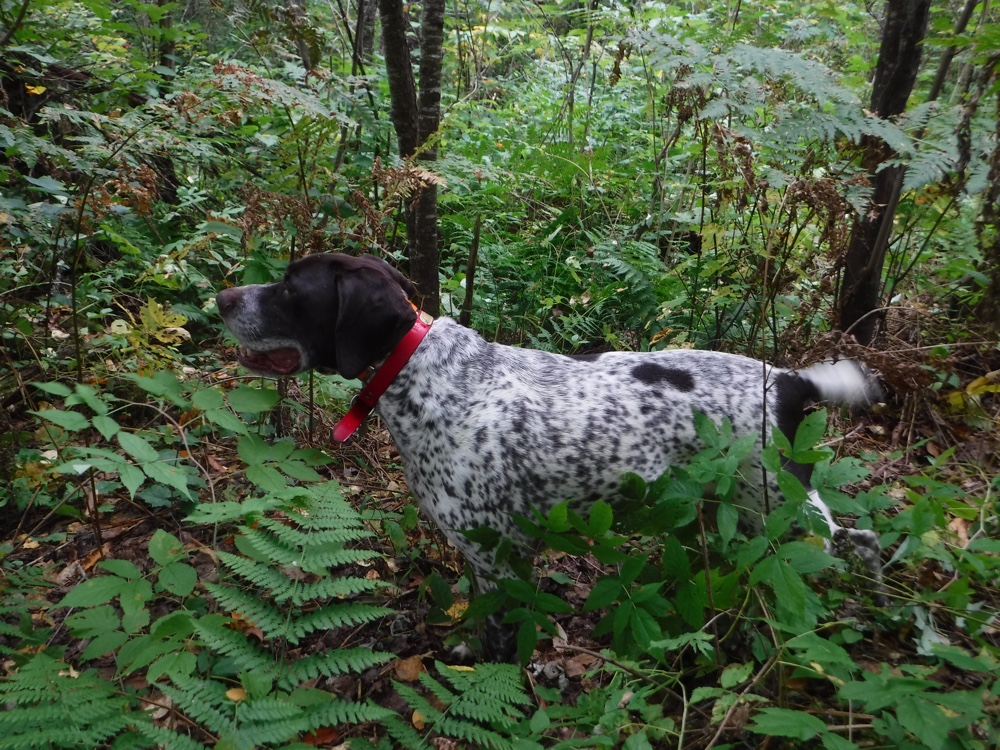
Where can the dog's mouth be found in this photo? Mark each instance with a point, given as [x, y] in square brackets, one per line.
[277, 362]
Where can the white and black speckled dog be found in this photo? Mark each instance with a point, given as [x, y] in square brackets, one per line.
[487, 430]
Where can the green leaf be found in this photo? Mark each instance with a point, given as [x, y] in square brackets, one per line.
[252, 400]
[132, 478]
[174, 662]
[137, 447]
[134, 595]
[527, 638]
[121, 568]
[644, 627]
[792, 489]
[89, 396]
[734, 674]
[601, 518]
[163, 384]
[47, 184]
[267, 478]
[253, 450]
[106, 426]
[789, 589]
[675, 560]
[751, 552]
[227, 420]
[165, 548]
[605, 591]
[784, 722]
[170, 475]
[727, 518]
[94, 591]
[298, 470]
[637, 741]
[809, 433]
[925, 720]
[218, 227]
[68, 420]
[92, 622]
[56, 389]
[833, 741]
[207, 398]
[810, 647]
[178, 578]
[103, 644]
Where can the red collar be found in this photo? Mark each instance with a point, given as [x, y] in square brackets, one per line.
[367, 397]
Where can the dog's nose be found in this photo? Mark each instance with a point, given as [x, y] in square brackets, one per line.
[227, 300]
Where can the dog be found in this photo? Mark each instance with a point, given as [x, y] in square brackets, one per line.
[487, 431]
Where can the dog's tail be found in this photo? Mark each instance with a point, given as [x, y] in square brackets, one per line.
[844, 382]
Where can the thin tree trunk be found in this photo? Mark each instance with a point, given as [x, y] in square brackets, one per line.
[424, 251]
[416, 124]
[297, 14]
[895, 75]
[168, 43]
[989, 307]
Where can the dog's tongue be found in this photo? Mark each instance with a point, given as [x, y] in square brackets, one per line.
[275, 362]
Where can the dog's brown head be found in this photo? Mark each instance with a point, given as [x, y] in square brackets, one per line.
[331, 312]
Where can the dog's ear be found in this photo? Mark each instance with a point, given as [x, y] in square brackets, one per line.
[373, 313]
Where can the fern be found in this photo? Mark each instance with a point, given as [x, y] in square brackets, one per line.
[480, 706]
[19, 594]
[241, 720]
[49, 705]
[312, 557]
[301, 536]
[265, 576]
[337, 661]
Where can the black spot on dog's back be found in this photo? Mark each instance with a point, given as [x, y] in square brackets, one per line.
[651, 373]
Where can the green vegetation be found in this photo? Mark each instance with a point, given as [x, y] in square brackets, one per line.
[184, 560]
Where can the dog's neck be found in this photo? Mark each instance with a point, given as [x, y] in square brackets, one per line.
[376, 381]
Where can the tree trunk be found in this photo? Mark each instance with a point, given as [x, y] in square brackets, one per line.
[989, 307]
[895, 75]
[168, 42]
[297, 19]
[416, 123]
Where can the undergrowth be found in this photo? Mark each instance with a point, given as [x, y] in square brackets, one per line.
[702, 634]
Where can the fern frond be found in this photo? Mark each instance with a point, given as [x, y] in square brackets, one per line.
[247, 657]
[403, 732]
[478, 705]
[336, 616]
[311, 536]
[435, 686]
[333, 588]
[338, 661]
[268, 547]
[338, 712]
[204, 701]
[252, 607]
[270, 720]
[479, 736]
[282, 590]
[51, 706]
[163, 737]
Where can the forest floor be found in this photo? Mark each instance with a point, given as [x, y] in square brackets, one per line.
[900, 440]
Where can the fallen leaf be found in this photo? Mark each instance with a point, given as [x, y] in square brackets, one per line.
[322, 736]
[456, 610]
[961, 528]
[409, 670]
